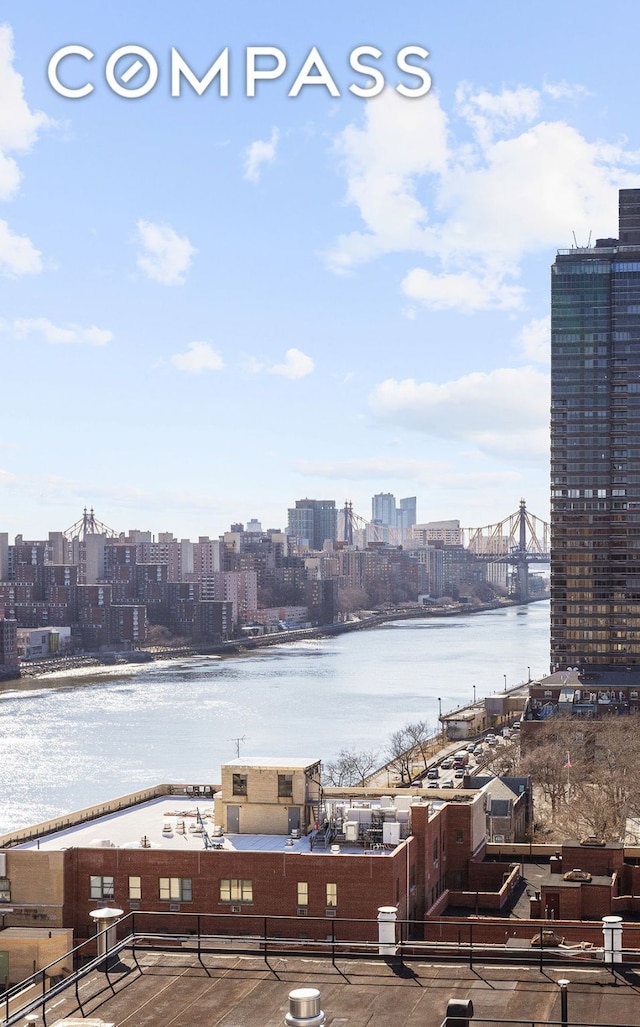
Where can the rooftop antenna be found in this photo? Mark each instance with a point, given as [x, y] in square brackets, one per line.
[242, 738]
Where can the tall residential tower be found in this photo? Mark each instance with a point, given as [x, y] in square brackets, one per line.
[595, 451]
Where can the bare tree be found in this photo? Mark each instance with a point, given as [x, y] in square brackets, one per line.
[350, 768]
[421, 740]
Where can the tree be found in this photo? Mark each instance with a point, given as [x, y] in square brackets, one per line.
[350, 768]
[399, 751]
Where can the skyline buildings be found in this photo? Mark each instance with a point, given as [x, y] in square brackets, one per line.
[595, 450]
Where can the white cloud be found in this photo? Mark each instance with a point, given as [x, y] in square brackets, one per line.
[473, 208]
[166, 256]
[296, 365]
[399, 143]
[503, 413]
[464, 291]
[18, 255]
[492, 113]
[54, 335]
[534, 340]
[565, 90]
[259, 153]
[19, 127]
[199, 356]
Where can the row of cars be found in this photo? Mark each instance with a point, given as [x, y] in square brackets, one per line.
[449, 771]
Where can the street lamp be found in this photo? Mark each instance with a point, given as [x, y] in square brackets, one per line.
[505, 681]
[529, 673]
[474, 694]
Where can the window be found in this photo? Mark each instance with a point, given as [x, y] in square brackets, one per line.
[236, 891]
[285, 786]
[332, 895]
[101, 887]
[459, 837]
[5, 889]
[303, 893]
[175, 889]
[135, 888]
[239, 784]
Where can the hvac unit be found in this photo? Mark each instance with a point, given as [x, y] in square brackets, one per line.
[134, 903]
[174, 907]
[235, 909]
[302, 911]
[330, 911]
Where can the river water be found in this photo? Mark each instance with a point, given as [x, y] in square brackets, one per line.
[73, 740]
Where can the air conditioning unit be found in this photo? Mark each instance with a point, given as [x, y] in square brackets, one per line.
[331, 911]
[174, 907]
[235, 909]
[134, 903]
[302, 911]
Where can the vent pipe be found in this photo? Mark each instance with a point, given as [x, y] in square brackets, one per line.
[387, 916]
[612, 933]
[304, 1008]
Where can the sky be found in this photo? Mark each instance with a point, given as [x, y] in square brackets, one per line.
[213, 305]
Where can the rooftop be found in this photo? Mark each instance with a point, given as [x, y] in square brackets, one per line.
[179, 822]
[178, 988]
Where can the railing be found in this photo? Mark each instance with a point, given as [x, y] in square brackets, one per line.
[273, 937]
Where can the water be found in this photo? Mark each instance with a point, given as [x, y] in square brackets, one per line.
[73, 740]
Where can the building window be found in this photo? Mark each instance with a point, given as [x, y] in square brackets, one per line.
[175, 889]
[135, 888]
[5, 889]
[236, 891]
[303, 893]
[101, 887]
[459, 837]
[332, 895]
[285, 786]
[239, 784]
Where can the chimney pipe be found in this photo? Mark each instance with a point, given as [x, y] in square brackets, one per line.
[304, 1008]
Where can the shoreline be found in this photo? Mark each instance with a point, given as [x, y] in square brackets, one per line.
[99, 664]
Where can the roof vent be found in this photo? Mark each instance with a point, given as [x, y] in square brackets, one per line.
[304, 1008]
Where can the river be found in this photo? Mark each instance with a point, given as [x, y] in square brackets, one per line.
[72, 740]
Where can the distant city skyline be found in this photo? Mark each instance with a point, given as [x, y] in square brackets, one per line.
[213, 305]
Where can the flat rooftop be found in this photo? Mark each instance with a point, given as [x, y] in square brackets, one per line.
[178, 989]
[172, 822]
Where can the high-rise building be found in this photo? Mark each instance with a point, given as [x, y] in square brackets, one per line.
[314, 520]
[595, 450]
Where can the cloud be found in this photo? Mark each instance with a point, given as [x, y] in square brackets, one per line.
[473, 194]
[259, 153]
[296, 365]
[463, 291]
[19, 127]
[489, 113]
[503, 413]
[54, 335]
[534, 340]
[18, 255]
[166, 256]
[199, 356]
[565, 90]
[439, 476]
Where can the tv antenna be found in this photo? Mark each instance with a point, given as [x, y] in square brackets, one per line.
[242, 738]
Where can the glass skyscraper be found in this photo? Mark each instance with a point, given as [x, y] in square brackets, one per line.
[595, 451]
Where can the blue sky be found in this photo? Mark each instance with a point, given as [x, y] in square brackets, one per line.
[211, 306]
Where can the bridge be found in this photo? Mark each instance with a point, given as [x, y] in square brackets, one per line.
[519, 540]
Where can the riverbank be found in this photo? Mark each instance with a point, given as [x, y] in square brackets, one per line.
[95, 662]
